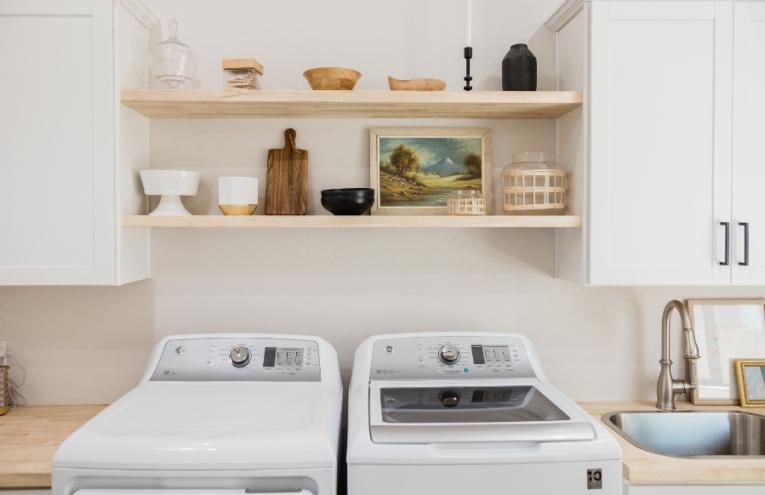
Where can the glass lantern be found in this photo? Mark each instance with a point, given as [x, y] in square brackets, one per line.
[172, 61]
[533, 185]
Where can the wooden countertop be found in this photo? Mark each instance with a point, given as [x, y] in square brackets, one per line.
[641, 466]
[30, 435]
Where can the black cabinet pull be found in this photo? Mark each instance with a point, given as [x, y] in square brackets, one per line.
[727, 244]
[746, 244]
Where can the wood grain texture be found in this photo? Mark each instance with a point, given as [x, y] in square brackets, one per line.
[162, 103]
[364, 221]
[416, 84]
[287, 178]
[332, 78]
[642, 466]
[30, 435]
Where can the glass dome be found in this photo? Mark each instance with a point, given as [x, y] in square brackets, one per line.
[172, 61]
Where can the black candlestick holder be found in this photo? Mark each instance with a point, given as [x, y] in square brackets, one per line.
[468, 56]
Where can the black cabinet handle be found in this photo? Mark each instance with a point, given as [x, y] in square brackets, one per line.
[746, 244]
[727, 244]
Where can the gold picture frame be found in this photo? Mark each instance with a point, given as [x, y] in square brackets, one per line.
[409, 194]
[744, 373]
[730, 347]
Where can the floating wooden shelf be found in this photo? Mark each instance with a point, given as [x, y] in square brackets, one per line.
[262, 221]
[163, 103]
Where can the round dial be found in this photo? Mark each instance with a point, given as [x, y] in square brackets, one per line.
[449, 354]
[240, 357]
[449, 399]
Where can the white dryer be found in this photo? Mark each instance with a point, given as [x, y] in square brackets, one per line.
[469, 413]
[215, 414]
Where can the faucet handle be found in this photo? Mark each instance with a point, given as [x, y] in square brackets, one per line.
[691, 348]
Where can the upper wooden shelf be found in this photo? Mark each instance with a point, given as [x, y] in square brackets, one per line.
[164, 103]
[254, 221]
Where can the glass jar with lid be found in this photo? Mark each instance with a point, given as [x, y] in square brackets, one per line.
[533, 184]
[172, 61]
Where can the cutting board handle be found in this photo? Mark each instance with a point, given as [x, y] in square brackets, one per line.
[289, 141]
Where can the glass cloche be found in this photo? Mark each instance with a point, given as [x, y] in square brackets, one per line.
[172, 61]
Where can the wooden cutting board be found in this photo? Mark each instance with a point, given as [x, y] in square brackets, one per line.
[287, 179]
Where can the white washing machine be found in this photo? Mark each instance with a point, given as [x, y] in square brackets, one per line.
[215, 414]
[469, 413]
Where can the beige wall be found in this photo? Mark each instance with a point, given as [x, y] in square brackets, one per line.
[90, 344]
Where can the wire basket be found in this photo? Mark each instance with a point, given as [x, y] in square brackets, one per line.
[5, 393]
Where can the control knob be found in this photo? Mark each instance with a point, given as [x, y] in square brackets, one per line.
[449, 354]
[449, 398]
[240, 357]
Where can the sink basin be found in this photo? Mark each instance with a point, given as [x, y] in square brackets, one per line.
[691, 433]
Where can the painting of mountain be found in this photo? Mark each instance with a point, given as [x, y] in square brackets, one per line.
[421, 172]
[445, 167]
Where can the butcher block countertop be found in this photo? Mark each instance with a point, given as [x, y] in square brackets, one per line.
[30, 435]
[641, 466]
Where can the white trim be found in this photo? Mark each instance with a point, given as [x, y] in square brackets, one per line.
[565, 13]
[141, 13]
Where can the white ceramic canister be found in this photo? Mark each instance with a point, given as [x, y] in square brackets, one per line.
[237, 195]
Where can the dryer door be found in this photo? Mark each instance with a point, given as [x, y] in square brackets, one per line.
[479, 412]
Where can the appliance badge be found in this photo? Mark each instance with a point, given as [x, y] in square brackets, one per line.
[594, 479]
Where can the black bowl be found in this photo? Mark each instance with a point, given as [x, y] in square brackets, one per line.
[358, 192]
[347, 205]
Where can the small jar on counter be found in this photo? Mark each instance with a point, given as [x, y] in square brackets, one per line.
[242, 73]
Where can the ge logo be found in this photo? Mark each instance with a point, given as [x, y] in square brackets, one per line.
[594, 479]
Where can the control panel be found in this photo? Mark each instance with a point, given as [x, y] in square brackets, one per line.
[228, 359]
[418, 358]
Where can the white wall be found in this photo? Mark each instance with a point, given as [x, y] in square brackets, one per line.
[90, 344]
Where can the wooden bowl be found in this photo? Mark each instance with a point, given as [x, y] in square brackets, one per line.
[416, 84]
[332, 78]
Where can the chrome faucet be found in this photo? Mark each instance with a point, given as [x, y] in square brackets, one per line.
[667, 387]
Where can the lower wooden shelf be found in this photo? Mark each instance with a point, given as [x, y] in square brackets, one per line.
[264, 221]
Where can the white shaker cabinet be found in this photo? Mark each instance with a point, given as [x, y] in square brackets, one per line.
[749, 143]
[651, 154]
[64, 179]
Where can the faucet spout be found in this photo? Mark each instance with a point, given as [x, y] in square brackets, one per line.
[667, 387]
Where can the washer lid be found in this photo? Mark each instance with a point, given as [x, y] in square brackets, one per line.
[484, 411]
[210, 425]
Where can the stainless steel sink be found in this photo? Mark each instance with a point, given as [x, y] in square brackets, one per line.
[691, 433]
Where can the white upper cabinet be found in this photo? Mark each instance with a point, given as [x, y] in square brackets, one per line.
[59, 135]
[663, 185]
[749, 143]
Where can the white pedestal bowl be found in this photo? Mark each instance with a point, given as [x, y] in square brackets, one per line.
[171, 185]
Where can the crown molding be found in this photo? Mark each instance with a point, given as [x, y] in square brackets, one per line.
[141, 13]
[565, 13]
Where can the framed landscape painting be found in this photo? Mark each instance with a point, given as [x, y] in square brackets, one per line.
[413, 171]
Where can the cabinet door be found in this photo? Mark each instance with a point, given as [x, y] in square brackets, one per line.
[660, 171]
[749, 142]
[57, 198]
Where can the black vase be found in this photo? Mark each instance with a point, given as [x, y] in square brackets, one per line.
[519, 69]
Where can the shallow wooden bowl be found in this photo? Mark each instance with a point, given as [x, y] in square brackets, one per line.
[416, 84]
[332, 78]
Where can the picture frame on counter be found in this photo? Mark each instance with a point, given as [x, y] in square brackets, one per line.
[751, 382]
[726, 330]
[413, 171]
